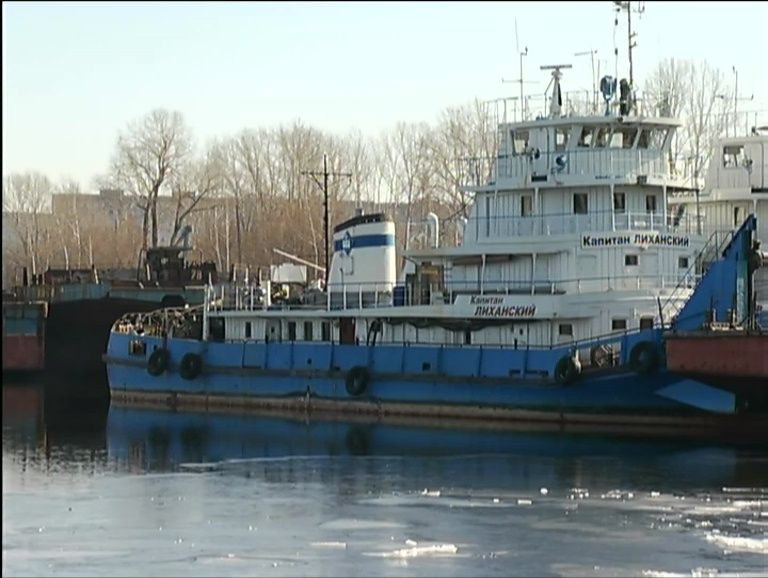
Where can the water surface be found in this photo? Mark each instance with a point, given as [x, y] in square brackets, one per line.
[151, 493]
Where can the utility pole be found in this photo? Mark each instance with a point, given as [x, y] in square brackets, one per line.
[324, 186]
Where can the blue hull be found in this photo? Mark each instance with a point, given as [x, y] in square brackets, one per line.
[452, 381]
[455, 382]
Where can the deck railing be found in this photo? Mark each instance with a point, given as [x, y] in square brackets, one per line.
[495, 226]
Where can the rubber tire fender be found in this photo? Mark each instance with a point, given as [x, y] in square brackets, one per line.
[357, 380]
[191, 365]
[566, 370]
[158, 361]
[644, 357]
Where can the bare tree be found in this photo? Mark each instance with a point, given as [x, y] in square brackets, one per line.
[148, 156]
[193, 183]
[697, 94]
[26, 202]
[707, 114]
[463, 133]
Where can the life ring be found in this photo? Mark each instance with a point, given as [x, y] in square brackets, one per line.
[158, 361]
[191, 366]
[567, 370]
[357, 380]
[644, 357]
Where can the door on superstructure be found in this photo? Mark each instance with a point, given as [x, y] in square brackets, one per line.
[650, 275]
[346, 331]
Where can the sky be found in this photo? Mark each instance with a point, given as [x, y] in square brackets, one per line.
[75, 74]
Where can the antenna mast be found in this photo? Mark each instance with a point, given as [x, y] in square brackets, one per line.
[556, 102]
[630, 35]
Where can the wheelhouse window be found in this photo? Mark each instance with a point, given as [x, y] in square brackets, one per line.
[618, 324]
[586, 138]
[645, 135]
[565, 329]
[646, 323]
[630, 260]
[658, 137]
[623, 138]
[561, 138]
[580, 204]
[601, 139]
[619, 202]
[520, 140]
[526, 205]
[650, 203]
[733, 156]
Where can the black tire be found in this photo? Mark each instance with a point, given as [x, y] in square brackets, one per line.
[644, 357]
[158, 361]
[191, 366]
[357, 380]
[566, 370]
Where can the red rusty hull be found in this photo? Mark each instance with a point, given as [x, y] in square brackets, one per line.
[719, 354]
[23, 353]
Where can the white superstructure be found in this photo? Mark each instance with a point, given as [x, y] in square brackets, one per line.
[568, 238]
[735, 186]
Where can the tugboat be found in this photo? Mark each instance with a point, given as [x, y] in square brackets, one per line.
[553, 308]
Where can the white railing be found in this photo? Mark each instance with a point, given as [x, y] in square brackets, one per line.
[381, 295]
[499, 226]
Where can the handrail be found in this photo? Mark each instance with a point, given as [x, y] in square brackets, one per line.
[698, 262]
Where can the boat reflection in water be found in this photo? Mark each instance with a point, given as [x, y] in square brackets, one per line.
[163, 440]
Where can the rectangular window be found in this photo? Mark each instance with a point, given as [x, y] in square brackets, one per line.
[733, 156]
[565, 329]
[247, 329]
[520, 141]
[630, 260]
[580, 205]
[618, 324]
[736, 217]
[628, 136]
[561, 138]
[468, 337]
[526, 205]
[682, 262]
[619, 202]
[642, 142]
[307, 331]
[326, 331]
[291, 331]
[585, 140]
[601, 140]
[646, 323]
[650, 203]
[137, 347]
